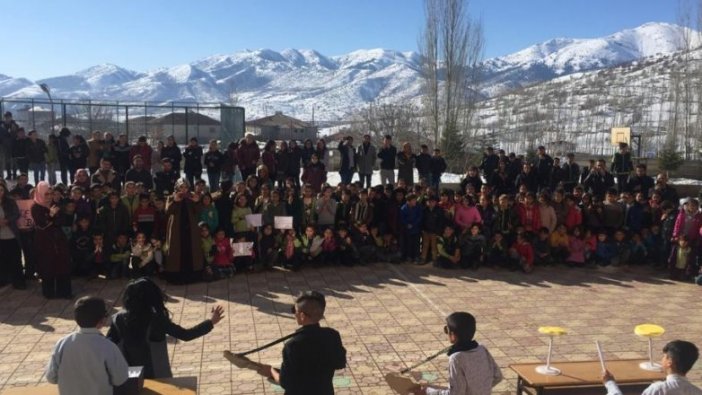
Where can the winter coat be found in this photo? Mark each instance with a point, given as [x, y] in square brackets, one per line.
[315, 175]
[193, 160]
[174, 242]
[411, 218]
[366, 158]
[423, 163]
[172, 152]
[387, 157]
[529, 217]
[405, 167]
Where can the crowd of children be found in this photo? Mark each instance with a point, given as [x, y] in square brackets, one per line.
[517, 215]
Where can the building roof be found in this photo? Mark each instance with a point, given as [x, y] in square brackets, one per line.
[178, 118]
[281, 120]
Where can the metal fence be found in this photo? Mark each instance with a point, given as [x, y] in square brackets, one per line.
[156, 121]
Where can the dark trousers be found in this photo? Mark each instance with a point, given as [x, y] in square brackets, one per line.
[410, 245]
[346, 176]
[214, 177]
[27, 242]
[11, 262]
[56, 286]
[621, 182]
[191, 177]
[365, 180]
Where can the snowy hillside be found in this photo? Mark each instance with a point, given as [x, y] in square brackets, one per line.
[300, 82]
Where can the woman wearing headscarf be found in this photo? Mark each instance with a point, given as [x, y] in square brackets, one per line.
[184, 260]
[50, 245]
[140, 329]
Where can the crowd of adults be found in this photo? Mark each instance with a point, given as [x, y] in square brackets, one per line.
[104, 206]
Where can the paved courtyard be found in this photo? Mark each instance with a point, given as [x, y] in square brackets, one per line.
[389, 317]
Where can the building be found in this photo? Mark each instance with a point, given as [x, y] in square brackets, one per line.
[281, 127]
[184, 126]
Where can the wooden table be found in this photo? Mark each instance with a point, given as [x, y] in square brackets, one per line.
[170, 386]
[580, 377]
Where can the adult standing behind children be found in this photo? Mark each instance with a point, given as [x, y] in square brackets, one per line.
[312, 355]
[184, 263]
[140, 329]
[387, 155]
[51, 246]
[85, 362]
[472, 370]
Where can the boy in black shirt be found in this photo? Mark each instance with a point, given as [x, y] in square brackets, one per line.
[312, 355]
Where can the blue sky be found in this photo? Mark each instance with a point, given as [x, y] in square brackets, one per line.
[51, 38]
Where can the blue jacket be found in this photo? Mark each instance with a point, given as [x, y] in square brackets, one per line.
[411, 218]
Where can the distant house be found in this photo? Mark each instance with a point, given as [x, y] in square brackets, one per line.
[281, 127]
[184, 127]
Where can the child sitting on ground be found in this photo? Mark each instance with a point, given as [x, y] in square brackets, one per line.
[681, 261]
[119, 257]
[447, 246]
[268, 248]
[497, 251]
[542, 248]
[222, 260]
[577, 248]
[85, 362]
[348, 254]
[143, 263]
[472, 369]
[243, 260]
[522, 254]
[329, 255]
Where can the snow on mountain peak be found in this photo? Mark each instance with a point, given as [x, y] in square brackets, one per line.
[298, 80]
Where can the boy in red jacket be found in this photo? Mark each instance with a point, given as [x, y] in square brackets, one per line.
[522, 254]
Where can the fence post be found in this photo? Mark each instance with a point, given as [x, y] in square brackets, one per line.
[90, 117]
[126, 121]
[187, 135]
[34, 122]
[63, 113]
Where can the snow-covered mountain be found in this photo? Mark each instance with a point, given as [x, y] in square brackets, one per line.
[299, 82]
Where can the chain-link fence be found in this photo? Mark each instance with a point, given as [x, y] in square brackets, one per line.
[204, 121]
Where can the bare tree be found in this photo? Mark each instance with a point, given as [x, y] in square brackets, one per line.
[451, 46]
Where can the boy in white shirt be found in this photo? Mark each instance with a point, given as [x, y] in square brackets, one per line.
[85, 362]
[678, 358]
[472, 370]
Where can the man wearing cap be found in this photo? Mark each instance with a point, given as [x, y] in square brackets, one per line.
[312, 355]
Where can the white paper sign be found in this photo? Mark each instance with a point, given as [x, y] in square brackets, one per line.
[254, 220]
[25, 221]
[242, 249]
[283, 222]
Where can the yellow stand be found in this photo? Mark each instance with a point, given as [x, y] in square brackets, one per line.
[551, 331]
[649, 331]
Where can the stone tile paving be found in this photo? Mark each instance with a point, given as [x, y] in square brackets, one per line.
[389, 317]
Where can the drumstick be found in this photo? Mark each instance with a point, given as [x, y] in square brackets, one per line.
[599, 353]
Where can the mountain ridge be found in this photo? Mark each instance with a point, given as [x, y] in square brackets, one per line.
[300, 81]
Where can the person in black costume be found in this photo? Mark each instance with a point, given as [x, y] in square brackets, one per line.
[140, 329]
[312, 355]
